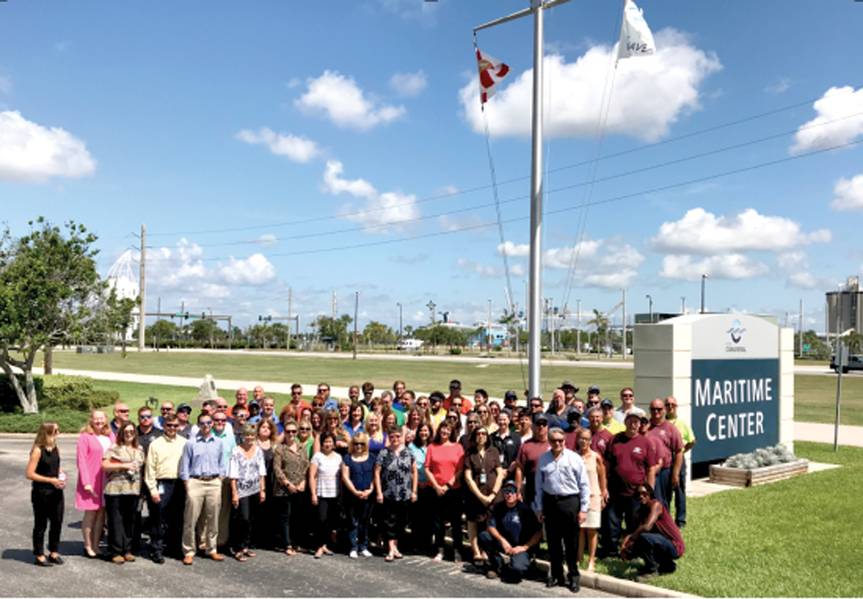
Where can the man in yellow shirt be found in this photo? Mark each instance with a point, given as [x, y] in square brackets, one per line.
[688, 442]
[167, 494]
[608, 419]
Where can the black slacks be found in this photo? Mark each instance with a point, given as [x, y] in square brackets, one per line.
[561, 532]
[47, 509]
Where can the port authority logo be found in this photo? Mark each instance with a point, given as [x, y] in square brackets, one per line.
[735, 336]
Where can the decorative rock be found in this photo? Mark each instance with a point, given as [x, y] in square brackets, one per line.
[207, 390]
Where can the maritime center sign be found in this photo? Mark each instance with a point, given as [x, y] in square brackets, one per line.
[735, 385]
[727, 372]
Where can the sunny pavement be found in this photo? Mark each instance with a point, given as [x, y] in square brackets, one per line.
[269, 574]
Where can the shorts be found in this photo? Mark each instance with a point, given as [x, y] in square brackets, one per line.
[593, 520]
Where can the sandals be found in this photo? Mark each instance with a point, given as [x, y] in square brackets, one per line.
[390, 557]
[249, 553]
[240, 556]
[290, 552]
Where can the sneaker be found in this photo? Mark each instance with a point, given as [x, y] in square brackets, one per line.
[366, 553]
[353, 554]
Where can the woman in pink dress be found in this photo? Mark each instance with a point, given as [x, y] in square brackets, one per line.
[93, 442]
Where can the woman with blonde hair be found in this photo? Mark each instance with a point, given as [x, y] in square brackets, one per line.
[333, 424]
[93, 442]
[357, 479]
[377, 438]
[43, 469]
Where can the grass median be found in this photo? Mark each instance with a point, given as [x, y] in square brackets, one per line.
[794, 538]
[814, 394]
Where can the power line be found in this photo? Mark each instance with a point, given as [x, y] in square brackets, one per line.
[473, 189]
[566, 209]
[589, 183]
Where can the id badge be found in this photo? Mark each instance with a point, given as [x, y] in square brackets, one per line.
[161, 488]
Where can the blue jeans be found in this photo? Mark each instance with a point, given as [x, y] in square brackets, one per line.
[656, 550]
[620, 507]
[360, 511]
[663, 487]
[515, 570]
[680, 499]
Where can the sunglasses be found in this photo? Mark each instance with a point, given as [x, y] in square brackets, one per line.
[205, 423]
[163, 410]
[555, 441]
[656, 409]
[219, 420]
[145, 416]
[170, 426]
[306, 428]
[626, 395]
[290, 431]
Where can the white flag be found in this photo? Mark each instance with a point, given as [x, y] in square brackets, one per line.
[635, 36]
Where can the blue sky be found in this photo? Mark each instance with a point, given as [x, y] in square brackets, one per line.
[270, 145]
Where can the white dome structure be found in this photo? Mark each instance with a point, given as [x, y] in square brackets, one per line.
[123, 280]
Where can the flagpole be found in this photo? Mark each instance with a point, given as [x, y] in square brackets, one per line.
[534, 320]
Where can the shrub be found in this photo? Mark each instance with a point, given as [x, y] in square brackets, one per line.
[455, 351]
[74, 393]
[70, 421]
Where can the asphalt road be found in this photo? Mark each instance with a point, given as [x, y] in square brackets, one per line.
[269, 574]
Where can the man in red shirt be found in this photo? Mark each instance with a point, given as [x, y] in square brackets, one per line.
[528, 457]
[600, 437]
[670, 451]
[632, 461]
[656, 540]
[455, 392]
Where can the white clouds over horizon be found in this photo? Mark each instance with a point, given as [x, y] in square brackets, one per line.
[381, 212]
[295, 148]
[848, 194]
[725, 266]
[651, 92]
[32, 152]
[338, 98]
[702, 232]
[839, 121]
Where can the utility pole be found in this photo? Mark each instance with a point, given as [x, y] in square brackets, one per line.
[142, 283]
[578, 326]
[291, 315]
[800, 329]
[401, 320]
[683, 304]
[356, 324]
[650, 308]
[158, 309]
[431, 306]
[623, 304]
[334, 304]
[703, 279]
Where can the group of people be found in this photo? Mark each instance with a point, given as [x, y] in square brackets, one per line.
[391, 471]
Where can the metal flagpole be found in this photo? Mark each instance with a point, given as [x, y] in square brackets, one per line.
[534, 319]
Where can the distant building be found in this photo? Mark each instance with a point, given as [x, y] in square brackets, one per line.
[123, 280]
[845, 308]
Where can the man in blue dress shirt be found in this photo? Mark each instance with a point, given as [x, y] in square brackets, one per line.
[202, 468]
[561, 501]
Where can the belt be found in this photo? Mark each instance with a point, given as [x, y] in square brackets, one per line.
[559, 497]
[205, 478]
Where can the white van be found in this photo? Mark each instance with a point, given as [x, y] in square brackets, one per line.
[410, 344]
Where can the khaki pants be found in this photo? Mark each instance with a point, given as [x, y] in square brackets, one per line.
[203, 498]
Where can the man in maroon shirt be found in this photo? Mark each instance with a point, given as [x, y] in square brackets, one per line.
[600, 437]
[528, 457]
[656, 540]
[632, 461]
[670, 451]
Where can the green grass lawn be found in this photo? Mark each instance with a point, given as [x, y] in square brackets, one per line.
[795, 538]
[814, 395]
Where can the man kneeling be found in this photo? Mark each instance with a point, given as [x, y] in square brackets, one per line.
[512, 532]
[657, 540]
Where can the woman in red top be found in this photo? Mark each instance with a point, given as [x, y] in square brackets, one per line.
[444, 465]
[657, 540]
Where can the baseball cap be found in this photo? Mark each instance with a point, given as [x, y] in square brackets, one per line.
[510, 396]
[593, 390]
[631, 415]
[184, 407]
[606, 403]
[509, 487]
[540, 418]
[568, 384]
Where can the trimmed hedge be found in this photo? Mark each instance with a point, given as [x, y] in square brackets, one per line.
[70, 421]
[59, 392]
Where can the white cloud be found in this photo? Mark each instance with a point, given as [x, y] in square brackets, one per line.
[381, 212]
[340, 99]
[702, 232]
[796, 266]
[650, 93]
[295, 148]
[411, 10]
[513, 249]
[837, 103]
[409, 84]
[726, 266]
[602, 263]
[848, 194]
[780, 86]
[254, 270]
[482, 270]
[267, 239]
[31, 152]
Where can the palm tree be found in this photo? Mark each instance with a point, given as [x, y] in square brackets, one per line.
[600, 322]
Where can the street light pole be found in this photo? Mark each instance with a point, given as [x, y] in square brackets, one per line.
[683, 304]
[400, 319]
[703, 279]
[650, 307]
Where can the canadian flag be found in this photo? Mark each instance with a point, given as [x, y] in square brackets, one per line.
[491, 70]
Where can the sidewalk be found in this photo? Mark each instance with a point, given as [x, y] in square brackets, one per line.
[803, 431]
